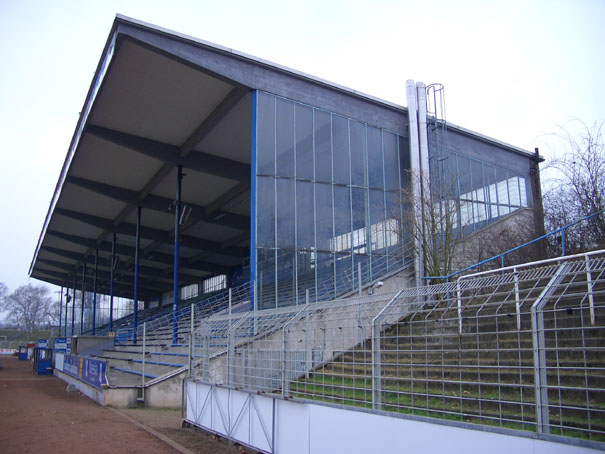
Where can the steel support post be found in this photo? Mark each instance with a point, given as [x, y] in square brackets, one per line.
[61, 309]
[143, 363]
[73, 306]
[83, 297]
[66, 303]
[111, 271]
[177, 245]
[136, 275]
[94, 294]
[191, 340]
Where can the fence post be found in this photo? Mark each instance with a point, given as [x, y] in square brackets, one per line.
[284, 367]
[206, 358]
[541, 391]
[589, 288]
[230, 358]
[517, 299]
[459, 303]
[192, 317]
[376, 366]
[376, 360]
[308, 352]
[539, 347]
[190, 359]
[230, 302]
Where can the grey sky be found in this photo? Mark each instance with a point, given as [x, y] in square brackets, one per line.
[512, 70]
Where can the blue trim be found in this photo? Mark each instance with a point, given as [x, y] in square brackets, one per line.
[136, 275]
[94, 295]
[562, 230]
[253, 145]
[60, 309]
[83, 295]
[111, 271]
[177, 255]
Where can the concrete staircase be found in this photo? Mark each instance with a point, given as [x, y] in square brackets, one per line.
[484, 374]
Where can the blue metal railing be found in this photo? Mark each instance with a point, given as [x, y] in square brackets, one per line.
[501, 256]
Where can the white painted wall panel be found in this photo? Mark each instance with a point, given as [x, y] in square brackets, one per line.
[309, 428]
[292, 428]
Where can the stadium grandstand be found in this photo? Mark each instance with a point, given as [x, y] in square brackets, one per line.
[235, 237]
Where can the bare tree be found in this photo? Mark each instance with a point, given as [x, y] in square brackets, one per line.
[576, 189]
[28, 306]
[3, 293]
[434, 222]
[430, 222]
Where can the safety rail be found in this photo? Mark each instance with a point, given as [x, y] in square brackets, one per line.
[520, 347]
[501, 256]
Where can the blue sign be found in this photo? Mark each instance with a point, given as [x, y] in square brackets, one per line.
[61, 345]
[71, 365]
[43, 343]
[91, 371]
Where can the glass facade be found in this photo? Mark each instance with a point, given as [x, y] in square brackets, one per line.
[327, 191]
[327, 205]
[480, 192]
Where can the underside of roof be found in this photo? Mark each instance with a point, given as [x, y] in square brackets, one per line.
[160, 100]
[147, 112]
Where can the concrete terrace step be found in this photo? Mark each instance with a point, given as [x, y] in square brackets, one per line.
[134, 372]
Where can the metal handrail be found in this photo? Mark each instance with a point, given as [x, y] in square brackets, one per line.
[535, 240]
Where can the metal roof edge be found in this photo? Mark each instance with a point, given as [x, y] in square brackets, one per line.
[259, 61]
[293, 72]
[74, 141]
[488, 139]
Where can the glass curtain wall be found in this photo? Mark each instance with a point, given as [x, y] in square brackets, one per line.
[327, 202]
[481, 192]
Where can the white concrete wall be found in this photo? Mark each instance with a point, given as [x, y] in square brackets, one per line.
[282, 426]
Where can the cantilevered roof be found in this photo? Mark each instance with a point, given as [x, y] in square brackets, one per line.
[160, 99]
[146, 112]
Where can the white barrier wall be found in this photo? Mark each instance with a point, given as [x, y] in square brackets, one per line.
[279, 426]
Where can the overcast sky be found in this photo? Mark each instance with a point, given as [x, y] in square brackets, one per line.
[512, 70]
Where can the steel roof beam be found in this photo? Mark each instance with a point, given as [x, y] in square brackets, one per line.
[149, 233]
[122, 290]
[196, 264]
[144, 270]
[161, 204]
[100, 274]
[195, 160]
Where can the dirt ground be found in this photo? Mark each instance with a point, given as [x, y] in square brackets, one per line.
[37, 414]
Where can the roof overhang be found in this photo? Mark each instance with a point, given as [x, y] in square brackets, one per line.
[160, 99]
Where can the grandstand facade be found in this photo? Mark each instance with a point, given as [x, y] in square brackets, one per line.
[194, 168]
[264, 223]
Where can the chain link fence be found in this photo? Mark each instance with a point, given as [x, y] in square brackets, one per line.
[520, 347]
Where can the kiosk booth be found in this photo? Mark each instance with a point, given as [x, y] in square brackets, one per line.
[43, 360]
